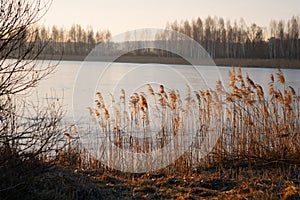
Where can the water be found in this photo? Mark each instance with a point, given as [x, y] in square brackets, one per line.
[110, 79]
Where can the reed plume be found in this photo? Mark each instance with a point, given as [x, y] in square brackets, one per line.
[280, 77]
[252, 123]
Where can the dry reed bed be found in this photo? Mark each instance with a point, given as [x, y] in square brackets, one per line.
[252, 124]
[256, 156]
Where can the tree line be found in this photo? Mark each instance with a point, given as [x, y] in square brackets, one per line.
[75, 40]
[220, 38]
[238, 40]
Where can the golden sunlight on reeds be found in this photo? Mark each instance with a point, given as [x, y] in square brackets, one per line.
[252, 123]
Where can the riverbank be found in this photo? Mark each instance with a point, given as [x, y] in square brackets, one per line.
[263, 63]
[272, 181]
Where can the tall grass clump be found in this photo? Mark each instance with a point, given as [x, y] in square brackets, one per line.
[261, 125]
[252, 124]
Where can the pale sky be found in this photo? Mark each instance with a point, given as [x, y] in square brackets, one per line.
[126, 15]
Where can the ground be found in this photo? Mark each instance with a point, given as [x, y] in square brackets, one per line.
[267, 182]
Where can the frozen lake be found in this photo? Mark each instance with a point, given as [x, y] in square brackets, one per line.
[133, 77]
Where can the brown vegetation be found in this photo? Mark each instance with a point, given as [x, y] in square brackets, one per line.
[253, 124]
[257, 155]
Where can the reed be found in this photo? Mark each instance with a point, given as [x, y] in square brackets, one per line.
[253, 125]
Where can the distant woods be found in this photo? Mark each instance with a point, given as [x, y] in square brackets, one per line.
[222, 39]
[73, 41]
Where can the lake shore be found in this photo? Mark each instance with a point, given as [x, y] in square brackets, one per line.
[272, 181]
[260, 63]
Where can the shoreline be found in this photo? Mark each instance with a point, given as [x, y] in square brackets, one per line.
[245, 62]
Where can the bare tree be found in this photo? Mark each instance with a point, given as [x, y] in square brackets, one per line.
[272, 40]
[281, 36]
[208, 34]
[25, 128]
[294, 35]
[222, 35]
[90, 38]
[55, 39]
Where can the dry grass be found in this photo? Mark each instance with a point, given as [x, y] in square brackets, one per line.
[256, 157]
[254, 125]
[72, 182]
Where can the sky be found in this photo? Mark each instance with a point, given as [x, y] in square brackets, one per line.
[126, 15]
